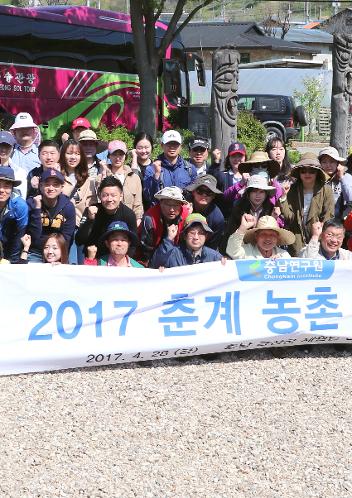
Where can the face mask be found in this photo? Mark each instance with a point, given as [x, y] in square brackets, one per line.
[260, 172]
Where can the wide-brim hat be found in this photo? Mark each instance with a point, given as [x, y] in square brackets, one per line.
[171, 193]
[261, 183]
[23, 120]
[196, 219]
[333, 153]
[7, 174]
[269, 223]
[208, 181]
[260, 159]
[120, 226]
[309, 161]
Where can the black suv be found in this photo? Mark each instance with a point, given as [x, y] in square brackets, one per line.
[278, 113]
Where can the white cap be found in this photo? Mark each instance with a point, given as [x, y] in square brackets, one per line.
[23, 120]
[171, 136]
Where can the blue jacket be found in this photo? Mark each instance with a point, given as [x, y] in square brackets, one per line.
[169, 255]
[12, 227]
[42, 222]
[179, 175]
[216, 222]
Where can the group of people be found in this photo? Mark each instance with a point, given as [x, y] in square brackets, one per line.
[85, 202]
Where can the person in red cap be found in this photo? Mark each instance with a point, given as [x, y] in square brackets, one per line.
[78, 125]
[82, 124]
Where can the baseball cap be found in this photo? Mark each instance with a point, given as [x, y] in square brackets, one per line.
[23, 120]
[88, 135]
[7, 138]
[6, 173]
[52, 173]
[199, 142]
[196, 219]
[80, 123]
[171, 136]
[117, 145]
[236, 148]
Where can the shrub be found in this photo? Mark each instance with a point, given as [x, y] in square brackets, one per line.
[250, 132]
[293, 156]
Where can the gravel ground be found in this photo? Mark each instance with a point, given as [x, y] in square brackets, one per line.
[273, 423]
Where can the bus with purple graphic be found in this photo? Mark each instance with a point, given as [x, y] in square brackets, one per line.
[61, 62]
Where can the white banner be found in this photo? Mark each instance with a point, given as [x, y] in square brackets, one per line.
[75, 316]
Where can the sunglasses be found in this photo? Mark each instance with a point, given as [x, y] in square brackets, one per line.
[312, 171]
[199, 149]
[204, 191]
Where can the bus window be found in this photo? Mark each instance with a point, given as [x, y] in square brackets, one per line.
[74, 61]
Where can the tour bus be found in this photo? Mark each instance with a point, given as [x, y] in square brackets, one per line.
[61, 62]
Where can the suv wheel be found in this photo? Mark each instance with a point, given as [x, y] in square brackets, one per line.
[272, 132]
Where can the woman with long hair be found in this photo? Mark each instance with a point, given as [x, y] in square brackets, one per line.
[78, 186]
[309, 200]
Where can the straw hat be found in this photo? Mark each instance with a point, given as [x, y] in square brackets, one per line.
[260, 159]
[269, 223]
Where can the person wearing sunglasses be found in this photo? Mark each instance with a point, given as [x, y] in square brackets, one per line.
[309, 200]
[204, 197]
[326, 242]
[198, 154]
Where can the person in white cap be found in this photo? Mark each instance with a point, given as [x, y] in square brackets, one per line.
[260, 240]
[170, 169]
[132, 186]
[341, 184]
[172, 209]
[26, 134]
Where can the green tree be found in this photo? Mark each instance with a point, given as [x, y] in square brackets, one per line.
[311, 99]
[149, 54]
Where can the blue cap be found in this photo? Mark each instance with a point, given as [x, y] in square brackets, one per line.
[6, 173]
[7, 138]
[120, 226]
[52, 173]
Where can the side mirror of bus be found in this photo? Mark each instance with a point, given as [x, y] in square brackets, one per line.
[172, 81]
[199, 66]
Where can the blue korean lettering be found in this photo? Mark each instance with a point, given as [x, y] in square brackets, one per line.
[230, 306]
[322, 302]
[180, 303]
[282, 324]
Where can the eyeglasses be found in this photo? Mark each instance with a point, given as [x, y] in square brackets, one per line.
[331, 236]
[204, 191]
[311, 171]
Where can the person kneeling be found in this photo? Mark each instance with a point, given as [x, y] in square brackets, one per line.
[192, 249]
[117, 238]
[259, 242]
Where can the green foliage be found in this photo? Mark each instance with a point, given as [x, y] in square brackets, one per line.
[293, 156]
[250, 132]
[119, 133]
[311, 98]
